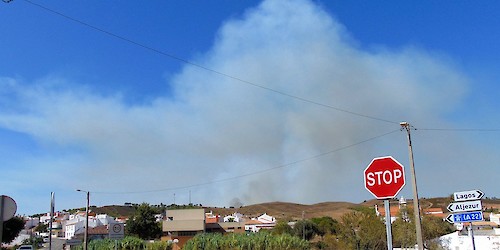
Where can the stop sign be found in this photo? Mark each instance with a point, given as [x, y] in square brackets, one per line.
[384, 177]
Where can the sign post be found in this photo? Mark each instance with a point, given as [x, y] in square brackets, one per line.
[116, 230]
[467, 208]
[384, 177]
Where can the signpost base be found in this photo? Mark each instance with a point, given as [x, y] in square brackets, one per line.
[472, 236]
[388, 226]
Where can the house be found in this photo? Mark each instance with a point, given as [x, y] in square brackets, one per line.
[225, 227]
[265, 218]
[73, 225]
[236, 217]
[495, 218]
[180, 225]
[434, 211]
[94, 233]
[394, 211]
[77, 223]
[211, 218]
[264, 221]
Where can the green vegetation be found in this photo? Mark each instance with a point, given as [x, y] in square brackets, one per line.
[360, 229]
[127, 243]
[305, 229]
[11, 229]
[404, 232]
[326, 225]
[143, 223]
[282, 227]
[41, 228]
[183, 206]
[263, 240]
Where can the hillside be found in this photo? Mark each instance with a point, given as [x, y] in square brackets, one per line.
[296, 211]
[289, 210]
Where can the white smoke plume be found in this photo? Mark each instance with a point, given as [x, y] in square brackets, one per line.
[213, 128]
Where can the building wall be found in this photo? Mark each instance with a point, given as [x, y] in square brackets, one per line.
[454, 241]
[185, 214]
[183, 224]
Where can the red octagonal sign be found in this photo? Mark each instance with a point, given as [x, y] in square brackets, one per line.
[384, 177]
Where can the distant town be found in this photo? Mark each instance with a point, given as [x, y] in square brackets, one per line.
[180, 223]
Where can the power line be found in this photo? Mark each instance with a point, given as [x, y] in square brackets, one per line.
[172, 56]
[460, 129]
[252, 173]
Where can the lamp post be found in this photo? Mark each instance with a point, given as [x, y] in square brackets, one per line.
[85, 236]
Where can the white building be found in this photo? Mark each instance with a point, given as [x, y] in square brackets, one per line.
[236, 217]
[72, 226]
[264, 221]
[265, 218]
[77, 222]
[483, 239]
[495, 218]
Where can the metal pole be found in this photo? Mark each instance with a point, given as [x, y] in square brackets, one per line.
[303, 227]
[51, 218]
[416, 204]
[2, 204]
[388, 225]
[85, 236]
[472, 236]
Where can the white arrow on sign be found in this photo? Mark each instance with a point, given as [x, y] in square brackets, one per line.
[465, 206]
[468, 195]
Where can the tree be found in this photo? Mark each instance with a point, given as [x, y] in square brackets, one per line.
[11, 229]
[282, 227]
[432, 228]
[362, 229]
[403, 229]
[305, 229]
[404, 232]
[326, 225]
[143, 223]
[41, 227]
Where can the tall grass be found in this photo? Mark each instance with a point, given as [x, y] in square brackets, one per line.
[127, 243]
[259, 241]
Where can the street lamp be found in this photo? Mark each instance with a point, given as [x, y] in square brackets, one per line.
[85, 236]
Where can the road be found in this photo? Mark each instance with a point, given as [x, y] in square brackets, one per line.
[57, 244]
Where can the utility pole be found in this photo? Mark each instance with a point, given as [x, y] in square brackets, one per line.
[303, 226]
[416, 205]
[86, 235]
[51, 218]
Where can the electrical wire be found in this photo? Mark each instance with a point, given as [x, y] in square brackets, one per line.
[460, 129]
[251, 173]
[172, 56]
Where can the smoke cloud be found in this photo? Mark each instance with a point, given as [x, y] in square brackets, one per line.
[212, 128]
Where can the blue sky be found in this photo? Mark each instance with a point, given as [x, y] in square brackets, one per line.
[243, 101]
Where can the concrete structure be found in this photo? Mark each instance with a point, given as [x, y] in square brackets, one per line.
[225, 227]
[180, 225]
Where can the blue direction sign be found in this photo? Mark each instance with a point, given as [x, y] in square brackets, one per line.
[465, 217]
